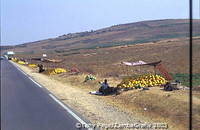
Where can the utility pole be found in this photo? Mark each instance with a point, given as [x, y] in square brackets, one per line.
[190, 60]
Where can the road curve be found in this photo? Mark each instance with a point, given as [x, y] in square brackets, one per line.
[25, 106]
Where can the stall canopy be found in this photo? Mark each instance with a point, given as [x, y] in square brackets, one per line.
[157, 66]
[134, 63]
[140, 63]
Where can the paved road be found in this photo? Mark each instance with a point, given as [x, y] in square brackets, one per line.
[25, 106]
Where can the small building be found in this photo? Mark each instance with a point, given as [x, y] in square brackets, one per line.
[9, 54]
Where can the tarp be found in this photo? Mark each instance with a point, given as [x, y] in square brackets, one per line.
[164, 72]
[157, 65]
[134, 63]
[140, 63]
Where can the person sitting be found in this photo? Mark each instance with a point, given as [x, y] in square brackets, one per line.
[104, 87]
[168, 87]
[41, 69]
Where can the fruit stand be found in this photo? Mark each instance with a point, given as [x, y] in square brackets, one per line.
[145, 80]
[148, 80]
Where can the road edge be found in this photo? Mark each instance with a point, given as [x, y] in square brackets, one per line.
[83, 122]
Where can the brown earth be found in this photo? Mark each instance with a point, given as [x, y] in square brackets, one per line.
[174, 54]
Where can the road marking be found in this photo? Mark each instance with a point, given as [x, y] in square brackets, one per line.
[68, 110]
[20, 70]
[28, 76]
[35, 82]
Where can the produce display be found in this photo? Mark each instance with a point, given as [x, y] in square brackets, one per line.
[21, 62]
[90, 77]
[55, 71]
[32, 65]
[14, 59]
[59, 70]
[148, 80]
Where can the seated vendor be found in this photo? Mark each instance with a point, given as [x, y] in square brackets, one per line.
[104, 87]
[41, 69]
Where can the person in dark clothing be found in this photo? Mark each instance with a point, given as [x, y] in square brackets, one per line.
[168, 87]
[41, 69]
[105, 89]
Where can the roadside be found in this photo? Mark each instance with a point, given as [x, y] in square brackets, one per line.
[128, 107]
[90, 106]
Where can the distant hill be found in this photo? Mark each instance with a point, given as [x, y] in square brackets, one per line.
[123, 34]
[6, 47]
[101, 51]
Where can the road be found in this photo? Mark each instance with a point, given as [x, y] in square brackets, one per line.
[25, 106]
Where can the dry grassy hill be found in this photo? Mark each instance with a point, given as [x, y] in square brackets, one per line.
[124, 34]
[100, 51]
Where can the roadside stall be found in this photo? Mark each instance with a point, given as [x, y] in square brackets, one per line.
[145, 79]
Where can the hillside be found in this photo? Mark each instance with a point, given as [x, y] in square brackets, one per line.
[101, 51]
[124, 34]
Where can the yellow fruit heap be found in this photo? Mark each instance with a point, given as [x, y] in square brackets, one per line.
[55, 71]
[148, 80]
[21, 62]
[32, 65]
[59, 70]
[14, 59]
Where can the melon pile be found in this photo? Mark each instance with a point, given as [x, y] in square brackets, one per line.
[148, 80]
[14, 59]
[55, 71]
[32, 65]
[21, 62]
[18, 61]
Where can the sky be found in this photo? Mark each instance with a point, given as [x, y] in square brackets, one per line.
[31, 20]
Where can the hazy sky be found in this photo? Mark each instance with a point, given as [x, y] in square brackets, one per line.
[30, 20]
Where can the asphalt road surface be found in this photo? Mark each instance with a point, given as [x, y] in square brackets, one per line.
[25, 106]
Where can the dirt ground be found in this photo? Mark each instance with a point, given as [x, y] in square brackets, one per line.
[132, 106]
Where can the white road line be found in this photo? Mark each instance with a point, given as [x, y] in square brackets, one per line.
[28, 76]
[20, 70]
[35, 82]
[68, 110]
